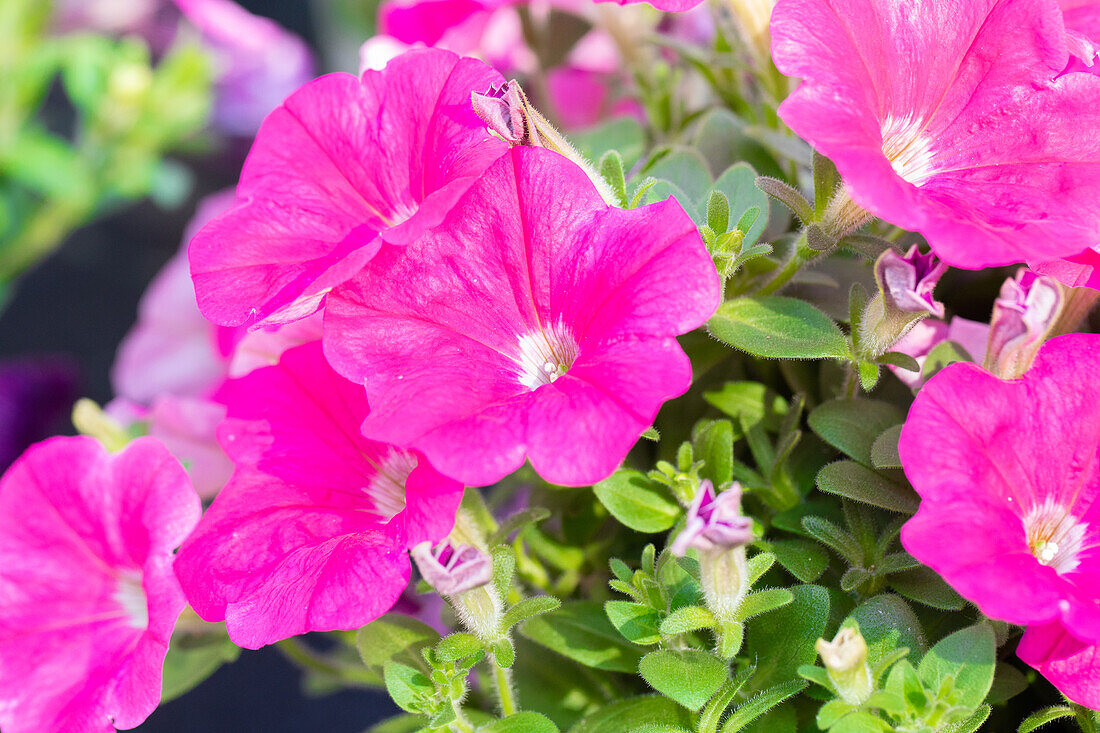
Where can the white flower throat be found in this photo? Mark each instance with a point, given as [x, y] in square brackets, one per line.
[544, 355]
[907, 149]
[1055, 537]
[387, 487]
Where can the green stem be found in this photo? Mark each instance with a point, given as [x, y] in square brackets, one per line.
[801, 255]
[459, 724]
[712, 713]
[502, 679]
[1086, 718]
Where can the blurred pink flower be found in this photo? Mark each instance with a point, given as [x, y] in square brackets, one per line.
[1009, 479]
[1024, 315]
[1080, 270]
[312, 531]
[673, 6]
[1071, 665]
[953, 121]
[257, 62]
[535, 322]
[88, 599]
[344, 164]
[714, 522]
[928, 334]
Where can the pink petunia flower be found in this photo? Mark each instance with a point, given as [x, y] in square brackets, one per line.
[1009, 478]
[257, 62]
[88, 599]
[535, 322]
[452, 569]
[1077, 271]
[342, 165]
[1071, 665]
[1083, 28]
[714, 522]
[953, 121]
[312, 531]
[1024, 315]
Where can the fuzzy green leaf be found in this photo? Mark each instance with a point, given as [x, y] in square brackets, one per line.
[969, 657]
[761, 704]
[1044, 716]
[688, 618]
[859, 483]
[526, 608]
[526, 722]
[852, 425]
[688, 677]
[634, 621]
[581, 631]
[638, 502]
[778, 328]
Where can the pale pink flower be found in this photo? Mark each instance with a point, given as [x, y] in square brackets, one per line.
[535, 322]
[907, 281]
[929, 333]
[951, 120]
[312, 531]
[1024, 315]
[1009, 478]
[342, 165]
[714, 522]
[88, 599]
[257, 62]
[452, 569]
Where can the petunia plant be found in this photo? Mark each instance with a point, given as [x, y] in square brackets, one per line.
[590, 368]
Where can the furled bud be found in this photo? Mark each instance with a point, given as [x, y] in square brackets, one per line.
[510, 116]
[451, 569]
[905, 285]
[717, 529]
[463, 574]
[1024, 315]
[845, 660]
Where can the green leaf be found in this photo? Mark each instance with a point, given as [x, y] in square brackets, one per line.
[639, 711]
[718, 212]
[749, 403]
[581, 631]
[563, 691]
[1044, 716]
[637, 501]
[803, 559]
[762, 703]
[193, 658]
[887, 622]
[788, 195]
[526, 722]
[526, 608]
[852, 425]
[634, 621]
[868, 375]
[757, 565]
[884, 451]
[404, 723]
[1008, 682]
[720, 139]
[900, 360]
[504, 653]
[714, 446]
[835, 538]
[826, 181]
[923, 585]
[611, 168]
[394, 637]
[763, 601]
[457, 646]
[407, 686]
[969, 657]
[688, 677]
[686, 169]
[504, 568]
[859, 483]
[624, 134]
[778, 328]
[688, 618]
[942, 354]
[971, 724]
[662, 189]
[738, 183]
[784, 641]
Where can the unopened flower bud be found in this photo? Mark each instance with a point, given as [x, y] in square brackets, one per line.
[717, 529]
[905, 285]
[463, 574]
[845, 660]
[1024, 315]
[510, 116]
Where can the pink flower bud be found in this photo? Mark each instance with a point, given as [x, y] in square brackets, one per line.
[714, 522]
[906, 283]
[453, 569]
[504, 110]
[1023, 316]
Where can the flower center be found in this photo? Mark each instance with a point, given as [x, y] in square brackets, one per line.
[387, 487]
[1055, 537]
[401, 213]
[544, 355]
[909, 152]
[131, 596]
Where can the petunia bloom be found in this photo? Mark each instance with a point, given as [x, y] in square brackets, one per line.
[312, 531]
[952, 121]
[451, 569]
[342, 165]
[1071, 665]
[1009, 479]
[88, 599]
[1083, 28]
[714, 522]
[534, 322]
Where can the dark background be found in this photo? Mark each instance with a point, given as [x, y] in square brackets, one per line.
[79, 303]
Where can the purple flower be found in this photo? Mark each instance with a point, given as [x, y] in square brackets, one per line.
[453, 569]
[907, 282]
[36, 396]
[714, 522]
